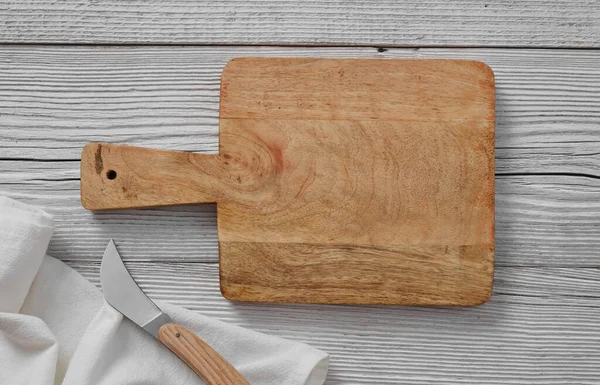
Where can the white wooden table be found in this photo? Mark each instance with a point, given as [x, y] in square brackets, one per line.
[147, 73]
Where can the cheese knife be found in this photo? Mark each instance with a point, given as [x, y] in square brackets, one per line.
[122, 293]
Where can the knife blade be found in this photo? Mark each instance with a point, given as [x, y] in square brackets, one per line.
[122, 292]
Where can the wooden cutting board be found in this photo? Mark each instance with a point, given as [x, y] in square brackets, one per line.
[337, 181]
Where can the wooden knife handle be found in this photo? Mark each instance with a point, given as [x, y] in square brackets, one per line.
[119, 177]
[199, 356]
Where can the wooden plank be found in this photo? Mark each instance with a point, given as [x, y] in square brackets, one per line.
[55, 99]
[357, 90]
[541, 220]
[527, 23]
[540, 327]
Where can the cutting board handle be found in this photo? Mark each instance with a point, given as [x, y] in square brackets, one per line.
[119, 177]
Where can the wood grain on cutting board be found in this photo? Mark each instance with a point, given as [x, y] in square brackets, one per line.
[364, 181]
[337, 181]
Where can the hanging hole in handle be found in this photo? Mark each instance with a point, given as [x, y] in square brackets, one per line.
[111, 174]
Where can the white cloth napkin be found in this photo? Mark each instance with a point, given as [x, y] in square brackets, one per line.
[56, 328]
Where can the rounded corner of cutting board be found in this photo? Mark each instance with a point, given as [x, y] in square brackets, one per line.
[231, 64]
[485, 69]
[484, 293]
[226, 291]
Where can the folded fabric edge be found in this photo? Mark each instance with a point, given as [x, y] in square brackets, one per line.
[312, 367]
[25, 212]
[319, 372]
[309, 365]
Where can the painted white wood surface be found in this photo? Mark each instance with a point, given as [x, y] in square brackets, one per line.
[542, 325]
[538, 328]
[526, 23]
[55, 99]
